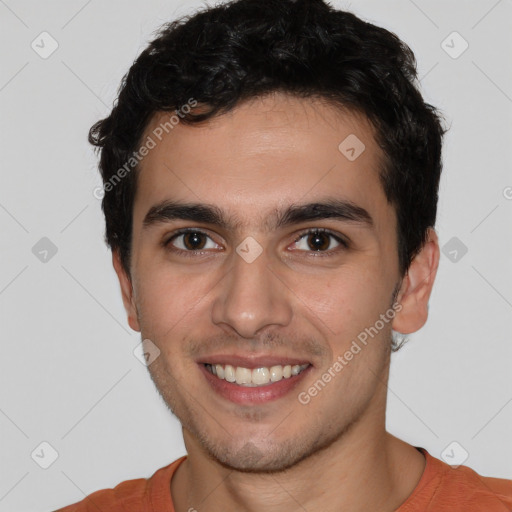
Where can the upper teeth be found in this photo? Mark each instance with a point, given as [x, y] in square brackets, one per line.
[257, 376]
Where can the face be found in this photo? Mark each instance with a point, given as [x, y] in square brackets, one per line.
[289, 253]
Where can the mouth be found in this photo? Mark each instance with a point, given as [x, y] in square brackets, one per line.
[246, 381]
[255, 377]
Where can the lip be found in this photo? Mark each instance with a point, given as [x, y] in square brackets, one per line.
[243, 395]
[252, 362]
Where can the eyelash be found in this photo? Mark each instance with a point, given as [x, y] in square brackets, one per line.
[332, 252]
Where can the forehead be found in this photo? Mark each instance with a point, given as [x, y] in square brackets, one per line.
[265, 154]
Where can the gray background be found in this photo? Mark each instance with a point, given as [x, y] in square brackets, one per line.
[68, 372]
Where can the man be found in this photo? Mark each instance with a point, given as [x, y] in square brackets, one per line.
[271, 176]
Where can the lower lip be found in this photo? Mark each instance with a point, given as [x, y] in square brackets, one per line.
[244, 395]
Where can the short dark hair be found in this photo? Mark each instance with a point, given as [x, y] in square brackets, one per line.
[244, 49]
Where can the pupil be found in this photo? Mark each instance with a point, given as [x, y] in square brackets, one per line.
[193, 241]
[315, 241]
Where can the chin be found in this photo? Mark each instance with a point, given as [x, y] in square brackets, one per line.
[251, 460]
[272, 458]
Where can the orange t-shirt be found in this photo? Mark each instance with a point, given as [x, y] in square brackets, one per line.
[440, 489]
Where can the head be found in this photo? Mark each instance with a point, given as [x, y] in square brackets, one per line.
[262, 121]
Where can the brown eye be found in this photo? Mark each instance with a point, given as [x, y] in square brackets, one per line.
[194, 241]
[319, 240]
[190, 241]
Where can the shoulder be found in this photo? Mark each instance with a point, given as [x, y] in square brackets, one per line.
[469, 487]
[446, 488]
[131, 495]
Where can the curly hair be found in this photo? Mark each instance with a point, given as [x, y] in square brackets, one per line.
[242, 49]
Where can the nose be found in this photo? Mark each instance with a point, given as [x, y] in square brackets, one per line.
[251, 298]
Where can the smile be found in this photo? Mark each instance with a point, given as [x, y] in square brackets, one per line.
[255, 377]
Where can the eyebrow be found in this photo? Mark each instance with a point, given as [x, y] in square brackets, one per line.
[330, 208]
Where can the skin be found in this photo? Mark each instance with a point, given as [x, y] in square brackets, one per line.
[292, 300]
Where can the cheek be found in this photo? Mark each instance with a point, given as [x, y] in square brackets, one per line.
[344, 302]
[169, 303]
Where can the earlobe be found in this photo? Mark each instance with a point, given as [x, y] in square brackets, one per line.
[126, 291]
[417, 286]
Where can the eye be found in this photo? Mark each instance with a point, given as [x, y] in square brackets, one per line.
[190, 240]
[319, 240]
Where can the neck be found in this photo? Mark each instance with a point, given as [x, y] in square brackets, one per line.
[365, 469]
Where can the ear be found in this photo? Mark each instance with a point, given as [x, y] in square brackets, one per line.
[126, 291]
[417, 286]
